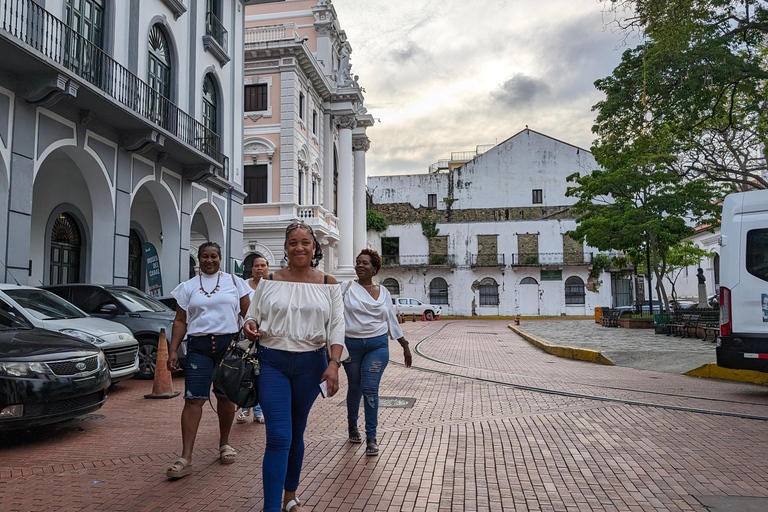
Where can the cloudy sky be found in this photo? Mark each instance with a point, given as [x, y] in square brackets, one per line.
[448, 75]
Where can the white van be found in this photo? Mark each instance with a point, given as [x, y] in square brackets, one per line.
[743, 341]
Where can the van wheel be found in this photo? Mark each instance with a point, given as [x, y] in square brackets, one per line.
[147, 358]
[428, 315]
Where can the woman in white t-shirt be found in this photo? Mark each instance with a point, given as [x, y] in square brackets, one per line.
[370, 320]
[207, 312]
[298, 316]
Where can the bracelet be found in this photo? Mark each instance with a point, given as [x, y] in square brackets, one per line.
[334, 360]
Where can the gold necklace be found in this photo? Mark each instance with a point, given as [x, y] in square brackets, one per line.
[202, 290]
[367, 286]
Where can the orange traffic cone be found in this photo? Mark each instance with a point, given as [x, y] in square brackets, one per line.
[162, 387]
[424, 317]
[413, 317]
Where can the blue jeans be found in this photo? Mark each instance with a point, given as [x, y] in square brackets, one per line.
[202, 354]
[288, 386]
[368, 359]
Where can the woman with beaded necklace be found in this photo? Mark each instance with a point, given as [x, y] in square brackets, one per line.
[207, 311]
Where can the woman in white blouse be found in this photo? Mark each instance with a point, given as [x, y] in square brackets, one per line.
[297, 315]
[369, 316]
[207, 312]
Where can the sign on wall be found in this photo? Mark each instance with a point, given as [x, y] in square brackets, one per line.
[238, 267]
[551, 275]
[154, 279]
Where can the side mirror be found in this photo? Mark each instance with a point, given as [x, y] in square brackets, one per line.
[108, 309]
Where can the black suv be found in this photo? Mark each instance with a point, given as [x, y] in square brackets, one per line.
[142, 314]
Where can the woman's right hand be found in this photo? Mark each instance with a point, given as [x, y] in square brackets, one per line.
[173, 361]
[251, 330]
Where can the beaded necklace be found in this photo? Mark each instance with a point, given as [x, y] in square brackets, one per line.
[202, 290]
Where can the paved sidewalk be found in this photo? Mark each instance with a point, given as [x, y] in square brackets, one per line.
[496, 425]
[634, 348]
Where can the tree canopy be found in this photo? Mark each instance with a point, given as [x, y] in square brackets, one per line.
[698, 81]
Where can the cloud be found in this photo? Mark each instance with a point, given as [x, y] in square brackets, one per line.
[520, 90]
[448, 75]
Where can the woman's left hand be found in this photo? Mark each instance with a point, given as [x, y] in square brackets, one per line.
[407, 356]
[331, 377]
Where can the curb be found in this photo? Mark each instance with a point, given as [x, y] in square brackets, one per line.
[713, 371]
[581, 354]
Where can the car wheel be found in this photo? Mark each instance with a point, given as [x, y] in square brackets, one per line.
[147, 359]
[428, 315]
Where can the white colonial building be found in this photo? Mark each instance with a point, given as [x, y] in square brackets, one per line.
[304, 133]
[501, 245]
[120, 126]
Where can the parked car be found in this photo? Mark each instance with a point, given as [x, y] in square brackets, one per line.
[142, 314]
[46, 310]
[408, 306]
[46, 376]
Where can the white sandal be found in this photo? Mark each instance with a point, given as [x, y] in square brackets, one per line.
[288, 506]
[226, 454]
[181, 467]
[240, 417]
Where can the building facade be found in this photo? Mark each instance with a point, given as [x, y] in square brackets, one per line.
[119, 128]
[304, 139]
[485, 232]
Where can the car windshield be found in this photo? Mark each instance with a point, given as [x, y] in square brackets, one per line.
[136, 301]
[9, 321]
[44, 305]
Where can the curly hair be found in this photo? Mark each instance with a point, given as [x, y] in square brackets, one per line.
[375, 258]
[318, 254]
[207, 245]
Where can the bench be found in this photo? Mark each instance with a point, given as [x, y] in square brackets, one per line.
[611, 319]
[683, 327]
[711, 328]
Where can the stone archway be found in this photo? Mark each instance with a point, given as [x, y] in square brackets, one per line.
[70, 180]
[207, 226]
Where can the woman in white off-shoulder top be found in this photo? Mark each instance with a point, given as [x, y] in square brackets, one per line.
[297, 313]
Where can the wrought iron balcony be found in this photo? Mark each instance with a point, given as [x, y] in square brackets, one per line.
[216, 38]
[422, 260]
[487, 260]
[545, 259]
[40, 30]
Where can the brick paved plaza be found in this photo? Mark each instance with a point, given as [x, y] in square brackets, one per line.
[482, 435]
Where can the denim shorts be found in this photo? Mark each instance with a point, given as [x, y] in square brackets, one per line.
[202, 354]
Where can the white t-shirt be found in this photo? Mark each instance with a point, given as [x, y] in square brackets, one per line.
[217, 314]
[366, 317]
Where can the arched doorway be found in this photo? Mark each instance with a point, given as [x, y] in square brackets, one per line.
[135, 260]
[66, 245]
[192, 265]
[528, 297]
[392, 285]
[248, 264]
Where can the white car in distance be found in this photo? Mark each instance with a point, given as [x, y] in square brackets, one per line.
[408, 306]
[47, 310]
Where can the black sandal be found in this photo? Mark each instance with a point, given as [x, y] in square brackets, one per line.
[372, 447]
[354, 435]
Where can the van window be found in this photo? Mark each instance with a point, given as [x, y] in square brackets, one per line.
[757, 253]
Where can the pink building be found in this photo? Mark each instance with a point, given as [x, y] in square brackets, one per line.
[304, 133]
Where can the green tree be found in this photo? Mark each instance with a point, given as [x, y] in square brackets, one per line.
[375, 221]
[680, 256]
[699, 80]
[636, 204]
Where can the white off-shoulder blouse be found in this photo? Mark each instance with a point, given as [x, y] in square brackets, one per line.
[297, 317]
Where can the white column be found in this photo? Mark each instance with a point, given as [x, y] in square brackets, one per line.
[360, 145]
[345, 202]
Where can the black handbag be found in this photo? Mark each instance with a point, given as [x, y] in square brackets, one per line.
[236, 375]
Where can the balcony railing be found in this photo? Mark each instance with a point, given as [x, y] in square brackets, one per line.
[41, 30]
[487, 260]
[538, 259]
[421, 260]
[215, 29]
[289, 31]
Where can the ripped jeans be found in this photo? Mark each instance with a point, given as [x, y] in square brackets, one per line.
[368, 359]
